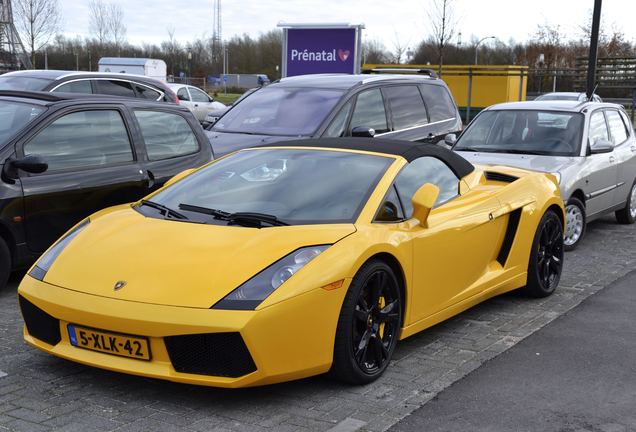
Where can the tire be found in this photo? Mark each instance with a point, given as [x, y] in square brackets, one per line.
[627, 215]
[576, 223]
[546, 257]
[368, 329]
[5, 264]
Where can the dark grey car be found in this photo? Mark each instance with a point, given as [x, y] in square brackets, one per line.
[408, 107]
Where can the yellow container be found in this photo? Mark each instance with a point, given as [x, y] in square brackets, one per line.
[491, 84]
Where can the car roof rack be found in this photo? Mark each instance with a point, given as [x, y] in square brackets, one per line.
[429, 72]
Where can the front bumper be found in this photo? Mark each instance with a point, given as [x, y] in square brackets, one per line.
[288, 340]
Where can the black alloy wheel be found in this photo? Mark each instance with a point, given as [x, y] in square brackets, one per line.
[546, 257]
[369, 325]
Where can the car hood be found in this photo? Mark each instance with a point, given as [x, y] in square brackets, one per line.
[175, 263]
[224, 143]
[529, 162]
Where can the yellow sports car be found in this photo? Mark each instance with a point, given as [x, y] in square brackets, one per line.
[290, 260]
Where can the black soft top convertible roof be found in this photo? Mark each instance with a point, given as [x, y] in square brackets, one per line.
[406, 149]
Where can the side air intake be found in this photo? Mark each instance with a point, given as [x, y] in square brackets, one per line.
[511, 232]
[499, 177]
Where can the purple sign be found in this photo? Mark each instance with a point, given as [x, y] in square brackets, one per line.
[328, 50]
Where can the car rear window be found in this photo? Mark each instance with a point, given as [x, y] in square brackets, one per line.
[439, 103]
[23, 83]
[115, 88]
[407, 106]
[166, 135]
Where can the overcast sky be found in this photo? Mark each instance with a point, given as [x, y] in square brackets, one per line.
[387, 20]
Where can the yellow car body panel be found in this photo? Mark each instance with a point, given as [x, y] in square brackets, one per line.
[176, 271]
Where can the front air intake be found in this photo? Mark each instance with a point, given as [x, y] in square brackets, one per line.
[215, 354]
[39, 324]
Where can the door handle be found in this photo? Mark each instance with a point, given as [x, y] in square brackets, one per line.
[196, 105]
[612, 159]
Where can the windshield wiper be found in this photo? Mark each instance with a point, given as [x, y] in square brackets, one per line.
[218, 214]
[251, 219]
[166, 211]
[239, 218]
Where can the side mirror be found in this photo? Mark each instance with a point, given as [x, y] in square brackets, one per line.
[450, 139]
[33, 164]
[423, 201]
[179, 176]
[363, 132]
[601, 146]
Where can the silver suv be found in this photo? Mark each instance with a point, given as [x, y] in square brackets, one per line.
[589, 146]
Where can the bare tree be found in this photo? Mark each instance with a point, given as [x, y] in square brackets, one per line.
[443, 22]
[399, 49]
[38, 20]
[115, 25]
[374, 52]
[98, 20]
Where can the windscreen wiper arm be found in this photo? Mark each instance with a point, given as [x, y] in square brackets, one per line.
[166, 211]
[239, 218]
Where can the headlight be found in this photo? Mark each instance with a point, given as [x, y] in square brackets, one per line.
[46, 261]
[249, 295]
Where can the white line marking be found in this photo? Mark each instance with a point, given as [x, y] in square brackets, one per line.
[3, 374]
[348, 425]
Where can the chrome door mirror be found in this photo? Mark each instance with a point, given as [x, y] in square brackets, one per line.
[450, 139]
[363, 131]
[601, 146]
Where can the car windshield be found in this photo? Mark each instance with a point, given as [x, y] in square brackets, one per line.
[280, 111]
[553, 133]
[23, 83]
[14, 116]
[296, 186]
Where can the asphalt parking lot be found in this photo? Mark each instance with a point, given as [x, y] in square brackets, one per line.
[40, 392]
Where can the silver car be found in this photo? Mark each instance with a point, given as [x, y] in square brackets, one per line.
[571, 96]
[196, 100]
[589, 146]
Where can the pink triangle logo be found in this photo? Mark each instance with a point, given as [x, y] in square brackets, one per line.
[343, 54]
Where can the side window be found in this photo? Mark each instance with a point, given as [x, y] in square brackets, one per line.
[183, 95]
[83, 139]
[198, 95]
[406, 105]
[391, 209]
[115, 88]
[83, 86]
[166, 135]
[426, 170]
[439, 102]
[369, 111]
[146, 92]
[338, 125]
[617, 127]
[598, 127]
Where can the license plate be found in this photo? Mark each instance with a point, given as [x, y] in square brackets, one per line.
[110, 343]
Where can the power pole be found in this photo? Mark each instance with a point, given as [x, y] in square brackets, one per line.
[12, 53]
[591, 61]
[217, 34]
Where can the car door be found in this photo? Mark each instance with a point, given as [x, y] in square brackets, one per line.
[442, 112]
[455, 220]
[92, 165]
[409, 119]
[624, 151]
[201, 102]
[172, 142]
[601, 173]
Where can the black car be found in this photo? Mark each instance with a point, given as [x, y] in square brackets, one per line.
[409, 107]
[114, 84]
[65, 156]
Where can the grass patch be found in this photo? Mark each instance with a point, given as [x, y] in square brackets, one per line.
[226, 98]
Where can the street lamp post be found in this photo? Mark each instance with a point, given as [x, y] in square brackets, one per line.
[189, 64]
[477, 46]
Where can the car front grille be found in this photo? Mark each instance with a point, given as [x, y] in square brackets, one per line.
[39, 324]
[216, 354]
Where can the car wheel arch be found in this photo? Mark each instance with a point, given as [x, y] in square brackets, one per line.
[580, 195]
[390, 260]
